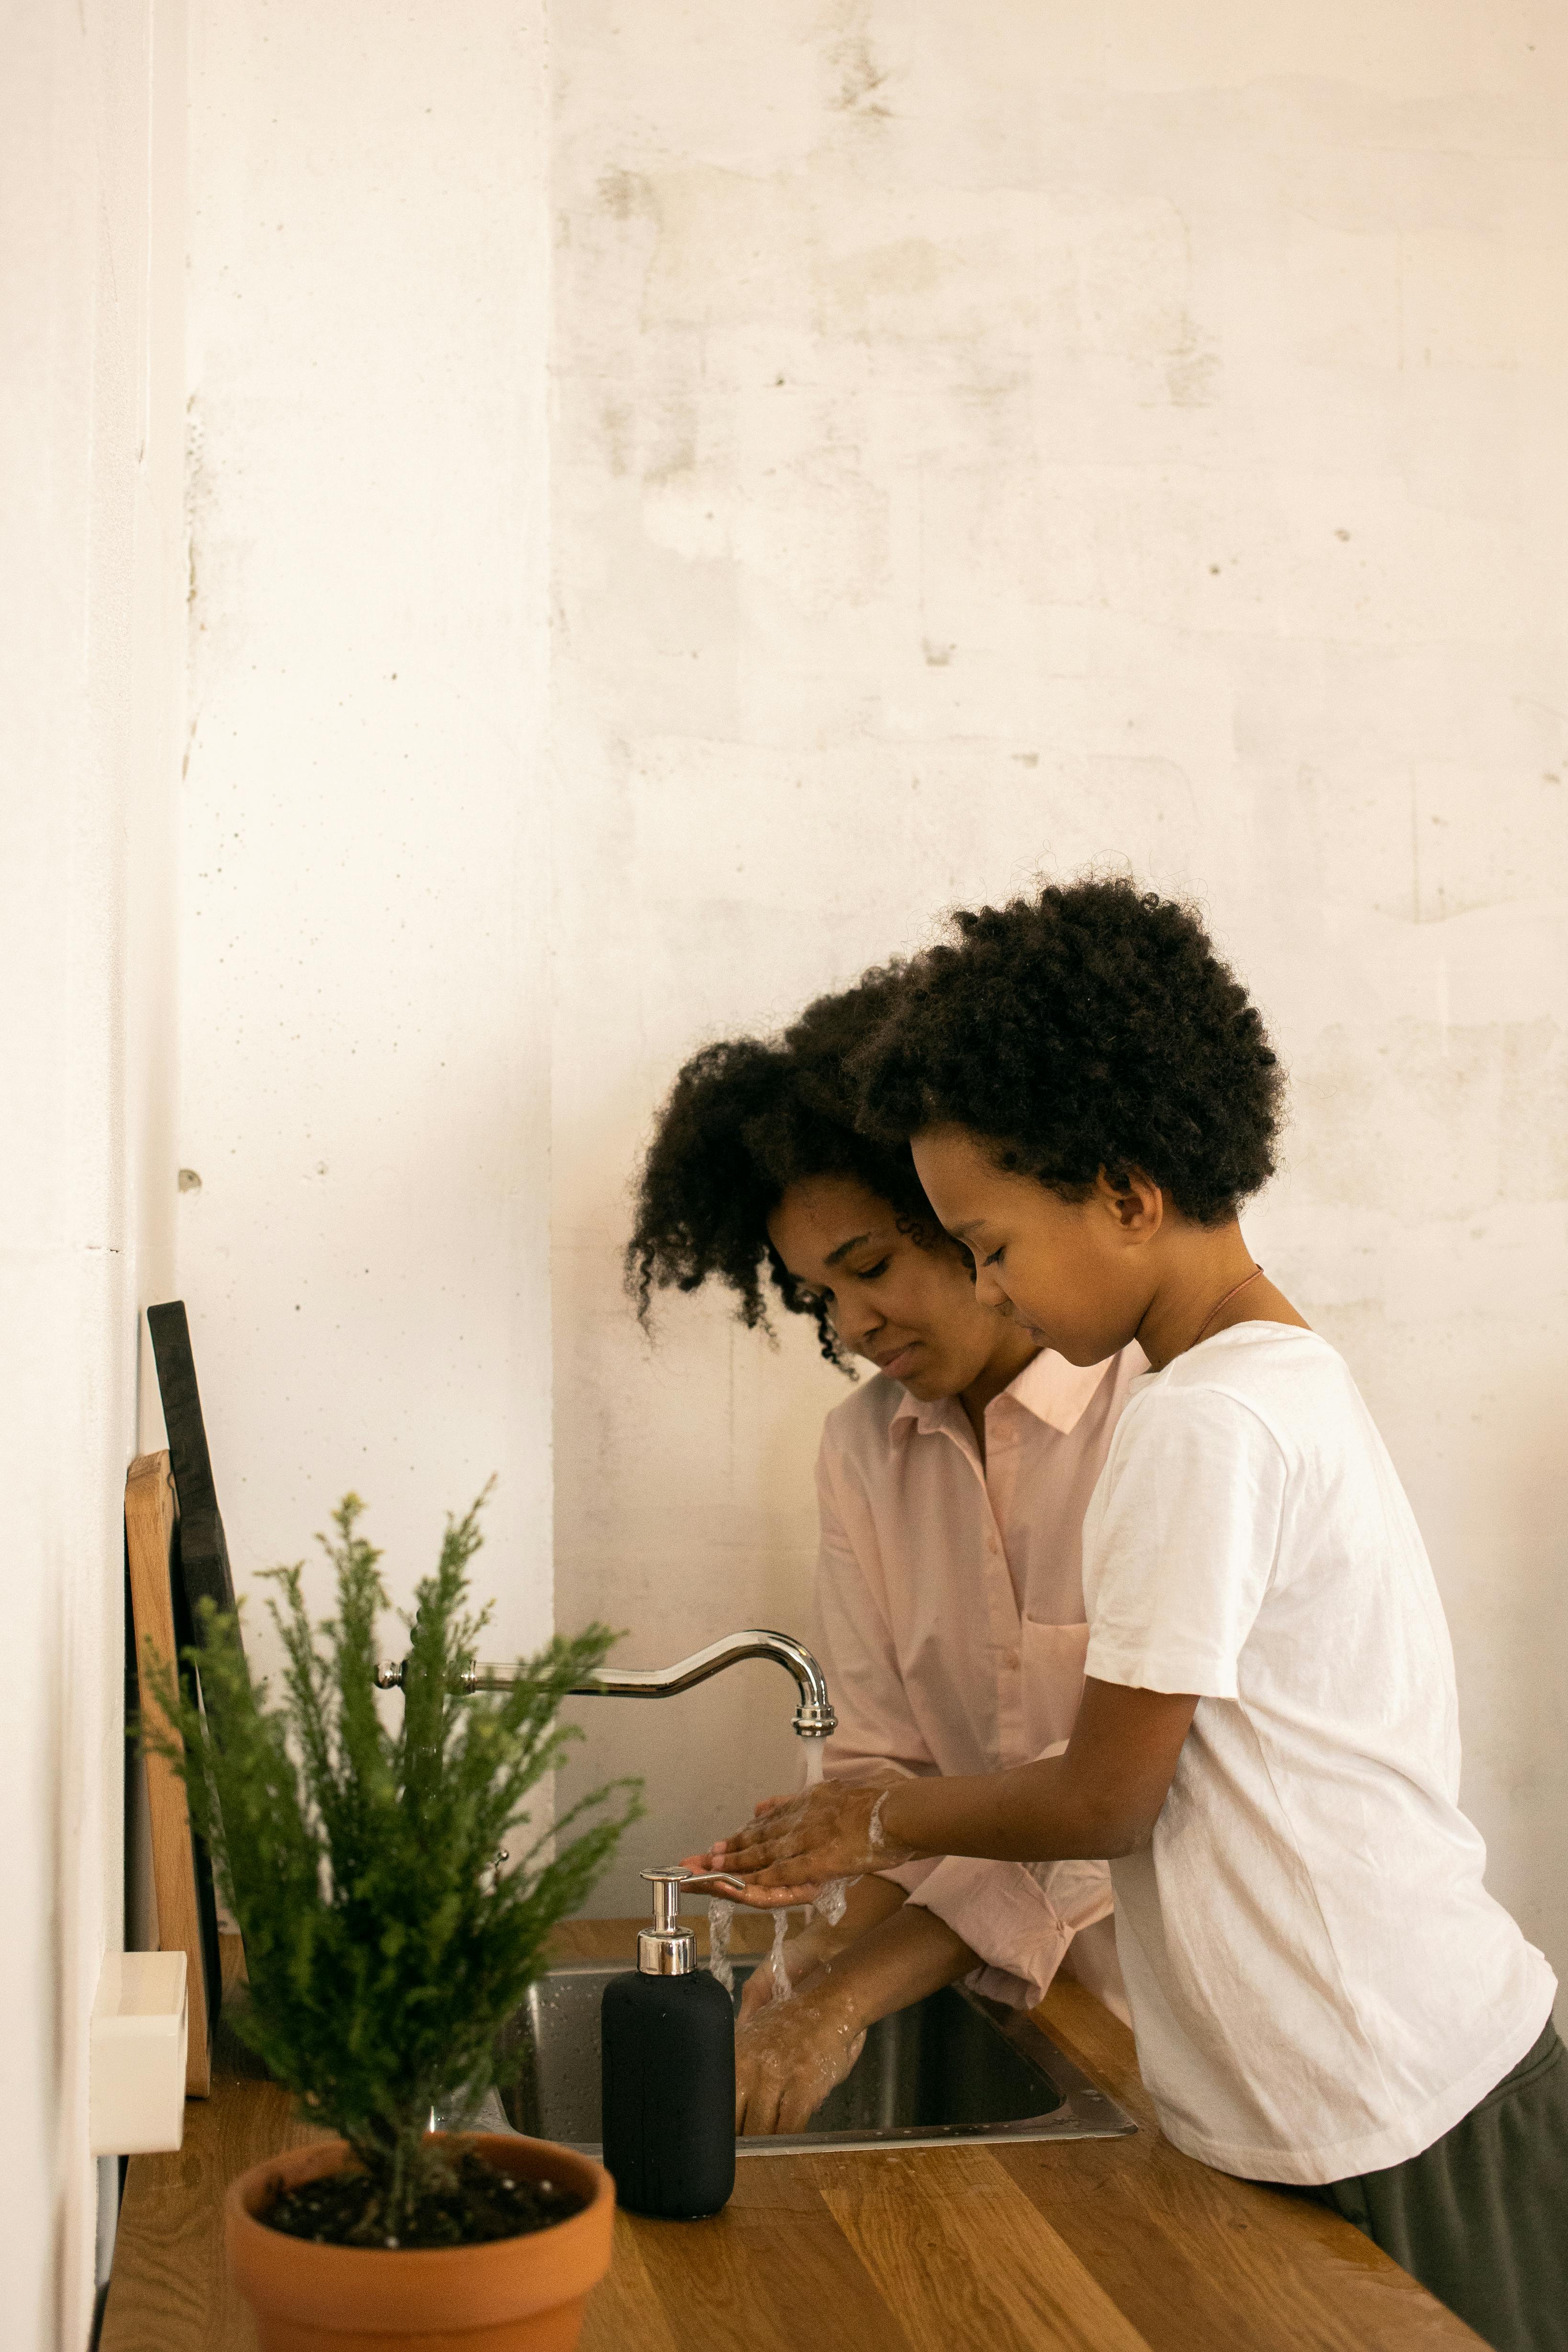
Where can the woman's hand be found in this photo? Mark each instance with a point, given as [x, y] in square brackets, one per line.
[790, 2054]
[795, 1845]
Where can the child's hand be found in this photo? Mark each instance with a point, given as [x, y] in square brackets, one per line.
[794, 1845]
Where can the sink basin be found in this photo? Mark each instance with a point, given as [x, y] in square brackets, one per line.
[952, 2068]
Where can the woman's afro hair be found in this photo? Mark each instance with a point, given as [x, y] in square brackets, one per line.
[745, 1120]
[1093, 1027]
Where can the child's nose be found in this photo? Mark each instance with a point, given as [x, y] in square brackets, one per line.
[988, 1290]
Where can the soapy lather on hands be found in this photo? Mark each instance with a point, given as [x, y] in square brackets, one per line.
[795, 1845]
[789, 2054]
[866, 1953]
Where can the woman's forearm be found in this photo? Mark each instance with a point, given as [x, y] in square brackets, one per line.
[907, 1955]
[867, 1902]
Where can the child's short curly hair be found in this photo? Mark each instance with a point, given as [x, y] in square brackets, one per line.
[1093, 1027]
[745, 1120]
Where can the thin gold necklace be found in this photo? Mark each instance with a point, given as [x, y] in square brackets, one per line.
[1236, 1289]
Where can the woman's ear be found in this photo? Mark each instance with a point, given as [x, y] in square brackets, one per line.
[1135, 1201]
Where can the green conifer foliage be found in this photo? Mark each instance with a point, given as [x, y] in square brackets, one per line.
[386, 1951]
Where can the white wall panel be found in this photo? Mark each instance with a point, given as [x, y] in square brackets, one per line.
[91, 637]
[366, 1089]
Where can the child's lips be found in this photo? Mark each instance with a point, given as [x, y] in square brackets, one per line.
[902, 1362]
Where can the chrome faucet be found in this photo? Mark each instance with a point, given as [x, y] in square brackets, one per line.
[814, 1717]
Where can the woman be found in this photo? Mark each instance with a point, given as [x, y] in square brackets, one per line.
[952, 1491]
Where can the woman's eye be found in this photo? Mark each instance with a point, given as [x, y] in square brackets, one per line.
[870, 1273]
[997, 1256]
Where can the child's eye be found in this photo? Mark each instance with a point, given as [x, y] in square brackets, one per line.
[870, 1273]
[997, 1256]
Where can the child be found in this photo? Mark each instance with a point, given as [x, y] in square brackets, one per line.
[1322, 1991]
[952, 1488]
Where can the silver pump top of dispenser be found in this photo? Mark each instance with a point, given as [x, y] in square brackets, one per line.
[667, 1948]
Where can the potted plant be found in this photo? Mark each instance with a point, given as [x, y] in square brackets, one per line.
[385, 1949]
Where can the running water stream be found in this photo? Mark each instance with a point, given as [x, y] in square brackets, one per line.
[783, 1988]
[829, 1906]
[721, 1919]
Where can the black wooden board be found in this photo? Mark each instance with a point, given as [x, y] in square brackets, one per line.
[204, 1548]
[199, 1566]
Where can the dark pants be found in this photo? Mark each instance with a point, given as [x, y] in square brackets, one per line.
[1481, 2216]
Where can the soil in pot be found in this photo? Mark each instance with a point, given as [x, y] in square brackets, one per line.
[470, 2203]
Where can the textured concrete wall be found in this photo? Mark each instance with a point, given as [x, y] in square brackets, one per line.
[986, 439]
[994, 437]
[91, 646]
[363, 1236]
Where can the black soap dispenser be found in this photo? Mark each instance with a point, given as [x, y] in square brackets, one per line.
[667, 2037]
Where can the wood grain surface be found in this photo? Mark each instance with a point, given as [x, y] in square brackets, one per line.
[1079, 2246]
[149, 1535]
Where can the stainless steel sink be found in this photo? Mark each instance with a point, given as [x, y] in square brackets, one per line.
[952, 2068]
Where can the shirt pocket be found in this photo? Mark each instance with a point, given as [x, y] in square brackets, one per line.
[1052, 1662]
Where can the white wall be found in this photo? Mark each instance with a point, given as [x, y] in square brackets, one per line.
[986, 439]
[992, 438]
[365, 1089]
[91, 196]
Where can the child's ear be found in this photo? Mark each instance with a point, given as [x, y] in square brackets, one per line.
[1135, 1201]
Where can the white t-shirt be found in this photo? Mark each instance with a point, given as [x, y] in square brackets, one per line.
[1320, 1983]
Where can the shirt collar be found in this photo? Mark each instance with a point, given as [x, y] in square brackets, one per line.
[910, 1413]
[1054, 1391]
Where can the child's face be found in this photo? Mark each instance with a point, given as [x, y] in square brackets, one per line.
[1075, 1272]
[911, 1311]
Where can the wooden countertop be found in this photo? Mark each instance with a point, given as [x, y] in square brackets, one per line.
[1085, 2245]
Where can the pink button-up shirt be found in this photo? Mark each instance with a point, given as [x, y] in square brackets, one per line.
[949, 1593]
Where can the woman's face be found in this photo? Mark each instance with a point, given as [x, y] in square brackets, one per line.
[911, 1311]
[1075, 1272]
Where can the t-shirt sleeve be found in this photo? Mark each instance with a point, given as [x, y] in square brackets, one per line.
[1180, 1542]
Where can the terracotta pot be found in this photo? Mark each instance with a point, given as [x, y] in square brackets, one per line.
[514, 2294]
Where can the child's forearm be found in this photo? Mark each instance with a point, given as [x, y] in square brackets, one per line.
[1029, 1814]
[1100, 1800]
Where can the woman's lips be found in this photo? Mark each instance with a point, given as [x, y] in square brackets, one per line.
[896, 1367]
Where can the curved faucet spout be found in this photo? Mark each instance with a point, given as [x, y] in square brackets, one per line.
[814, 1717]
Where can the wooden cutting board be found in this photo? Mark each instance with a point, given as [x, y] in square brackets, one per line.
[150, 1523]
